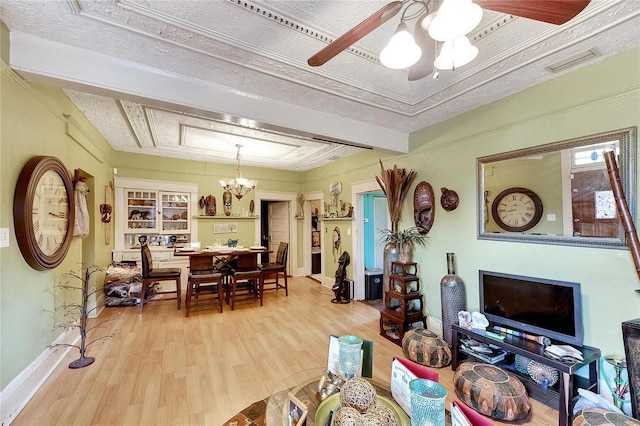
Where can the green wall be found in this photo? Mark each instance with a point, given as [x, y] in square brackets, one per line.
[207, 177]
[34, 123]
[598, 98]
[545, 180]
[602, 97]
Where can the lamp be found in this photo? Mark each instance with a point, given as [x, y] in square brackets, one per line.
[455, 53]
[238, 186]
[401, 51]
[455, 18]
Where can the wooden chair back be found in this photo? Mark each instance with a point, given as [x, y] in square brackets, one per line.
[147, 260]
[282, 254]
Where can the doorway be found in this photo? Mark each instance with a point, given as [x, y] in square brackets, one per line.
[89, 241]
[376, 217]
[275, 225]
[593, 205]
[358, 193]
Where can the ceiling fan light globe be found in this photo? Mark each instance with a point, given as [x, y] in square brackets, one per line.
[426, 22]
[456, 53]
[455, 18]
[401, 51]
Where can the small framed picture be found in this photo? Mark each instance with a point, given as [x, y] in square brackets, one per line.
[315, 238]
[296, 411]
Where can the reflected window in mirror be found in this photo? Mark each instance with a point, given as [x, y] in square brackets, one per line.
[558, 193]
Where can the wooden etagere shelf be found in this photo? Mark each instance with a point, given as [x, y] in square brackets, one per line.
[403, 302]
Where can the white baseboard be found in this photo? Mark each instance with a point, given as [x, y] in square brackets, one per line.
[17, 394]
[435, 325]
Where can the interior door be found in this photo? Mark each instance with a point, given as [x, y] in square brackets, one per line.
[594, 209]
[278, 225]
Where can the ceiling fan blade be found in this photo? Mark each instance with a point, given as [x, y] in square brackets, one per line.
[551, 11]
[424, 66]
[355, 34]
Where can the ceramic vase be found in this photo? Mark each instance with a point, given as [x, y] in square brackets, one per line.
[405, 253]
[452, 297]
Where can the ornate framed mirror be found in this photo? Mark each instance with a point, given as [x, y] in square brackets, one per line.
[557, 193]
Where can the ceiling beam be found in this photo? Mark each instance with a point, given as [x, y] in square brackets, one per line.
[45, 61]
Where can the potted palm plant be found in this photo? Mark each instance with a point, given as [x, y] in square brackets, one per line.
[404, 240]
[395, 184]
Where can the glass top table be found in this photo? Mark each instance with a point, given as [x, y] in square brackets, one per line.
[304, 386]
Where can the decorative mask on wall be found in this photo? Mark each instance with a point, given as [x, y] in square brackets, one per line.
[335, 189]
[423, 211]
[337, 242]
[105, 211]
[449, 199]
[226, 200]
[210, 205]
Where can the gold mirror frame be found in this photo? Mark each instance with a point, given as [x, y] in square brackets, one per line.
[626, 165]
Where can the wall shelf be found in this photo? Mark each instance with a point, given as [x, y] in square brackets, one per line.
[227, 217]
[335, 219]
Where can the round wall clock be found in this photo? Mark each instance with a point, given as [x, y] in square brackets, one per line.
[517, 209]
[43, 212]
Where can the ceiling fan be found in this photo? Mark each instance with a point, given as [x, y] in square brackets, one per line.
[552, 11]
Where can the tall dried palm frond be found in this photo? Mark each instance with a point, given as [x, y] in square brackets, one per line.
[395, 184]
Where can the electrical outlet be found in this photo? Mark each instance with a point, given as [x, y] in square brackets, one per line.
[4, 237]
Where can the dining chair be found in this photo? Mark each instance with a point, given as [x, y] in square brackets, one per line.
[272, 271]
[245, 285]
[151, 275]
[204, 280]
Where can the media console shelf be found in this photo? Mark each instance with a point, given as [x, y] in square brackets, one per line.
[561, 395]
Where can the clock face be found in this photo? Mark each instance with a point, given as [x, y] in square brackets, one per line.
[50, 212]
[517, 209]
[43, 212]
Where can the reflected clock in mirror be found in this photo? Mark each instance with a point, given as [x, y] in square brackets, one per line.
[517, 209]
[570, 179]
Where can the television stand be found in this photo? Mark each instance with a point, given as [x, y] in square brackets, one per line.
[559, 396]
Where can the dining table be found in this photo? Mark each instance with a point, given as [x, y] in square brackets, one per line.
[247, 257]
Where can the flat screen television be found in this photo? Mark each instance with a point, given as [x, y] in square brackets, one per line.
[534, 305]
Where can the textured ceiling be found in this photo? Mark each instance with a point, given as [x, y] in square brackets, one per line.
[191, 79]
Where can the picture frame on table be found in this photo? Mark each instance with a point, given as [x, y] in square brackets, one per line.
[296, 411]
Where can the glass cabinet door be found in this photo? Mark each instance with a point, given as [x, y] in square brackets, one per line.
[141, 210]
[175, 212]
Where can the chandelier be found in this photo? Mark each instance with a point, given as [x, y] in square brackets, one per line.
[238, 186]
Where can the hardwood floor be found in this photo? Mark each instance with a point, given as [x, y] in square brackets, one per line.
[165, 369]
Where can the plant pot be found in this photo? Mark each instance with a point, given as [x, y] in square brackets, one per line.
[391, 254]
[405, 253]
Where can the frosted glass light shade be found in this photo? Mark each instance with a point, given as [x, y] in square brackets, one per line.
[456, 53]
[455, 18]
[401, 51]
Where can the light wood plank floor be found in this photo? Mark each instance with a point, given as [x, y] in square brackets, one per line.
[165, 369]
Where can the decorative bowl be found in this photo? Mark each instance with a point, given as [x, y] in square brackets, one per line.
[332, 403]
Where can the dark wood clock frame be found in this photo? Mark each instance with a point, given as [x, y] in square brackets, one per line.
[23, 201]
[536, 216]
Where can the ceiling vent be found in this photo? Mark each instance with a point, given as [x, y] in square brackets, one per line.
[573, 60]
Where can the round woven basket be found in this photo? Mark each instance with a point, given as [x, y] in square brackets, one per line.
[491, 391]
[600, 417]
[426, 348]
